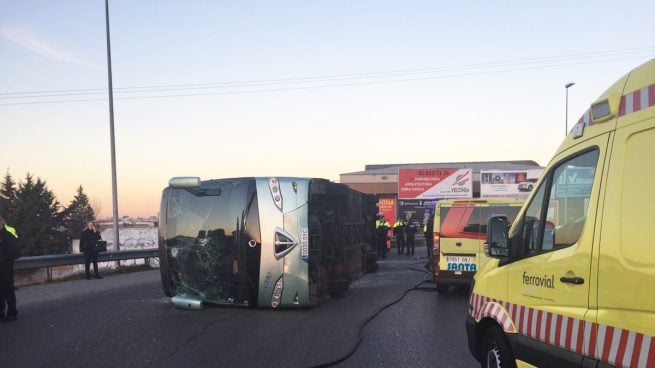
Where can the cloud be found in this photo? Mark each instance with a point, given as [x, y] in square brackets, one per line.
[27, 38]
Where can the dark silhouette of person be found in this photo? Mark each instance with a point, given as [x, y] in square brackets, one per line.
[410, 233]
[429, 239]
[88, 245]
[381, 229]
[399, 232]
[9, 251]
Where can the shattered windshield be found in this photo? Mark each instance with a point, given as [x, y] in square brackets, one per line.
[208, 232]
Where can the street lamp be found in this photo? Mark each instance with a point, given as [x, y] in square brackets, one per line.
[114, 185]
[566, 118]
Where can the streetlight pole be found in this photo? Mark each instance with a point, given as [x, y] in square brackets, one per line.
[114, 190]
[566, 118]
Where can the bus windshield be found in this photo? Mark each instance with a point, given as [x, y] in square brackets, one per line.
[213, 241]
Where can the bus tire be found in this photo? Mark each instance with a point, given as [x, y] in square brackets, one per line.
[336, 287]
[372, 267]
[371, 257]
[495, 350]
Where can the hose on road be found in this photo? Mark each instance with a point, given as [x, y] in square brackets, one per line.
[427, 279]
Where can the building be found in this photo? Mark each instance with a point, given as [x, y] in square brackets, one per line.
[418, 196]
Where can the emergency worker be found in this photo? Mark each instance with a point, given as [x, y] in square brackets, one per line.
[429, 240]
[399, 232]
[381, 229]
[410, 232]
[88, 245]
[9, 251]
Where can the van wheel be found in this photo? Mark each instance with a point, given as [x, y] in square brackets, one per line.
[496, 352]
[442, 289]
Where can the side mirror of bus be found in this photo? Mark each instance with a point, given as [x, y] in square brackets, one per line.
[497, 244]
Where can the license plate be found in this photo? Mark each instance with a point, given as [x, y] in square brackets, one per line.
[461, 263]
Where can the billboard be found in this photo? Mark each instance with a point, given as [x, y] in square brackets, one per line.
[508, 184]
[387, 207]
[435, 183]
[417, 210]
[575, 182]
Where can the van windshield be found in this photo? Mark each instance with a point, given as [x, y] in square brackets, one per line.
[471, 222]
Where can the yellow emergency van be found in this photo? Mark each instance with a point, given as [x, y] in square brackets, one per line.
[572, 281]
[460, 228]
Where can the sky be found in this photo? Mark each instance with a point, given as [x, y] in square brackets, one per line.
[221, 89]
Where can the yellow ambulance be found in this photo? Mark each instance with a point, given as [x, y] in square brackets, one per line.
[460, 228]
[573, 280]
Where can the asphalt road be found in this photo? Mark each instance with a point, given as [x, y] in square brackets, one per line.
[125, 321]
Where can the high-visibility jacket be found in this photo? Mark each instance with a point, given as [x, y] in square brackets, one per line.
[380, 223]
[11, 231]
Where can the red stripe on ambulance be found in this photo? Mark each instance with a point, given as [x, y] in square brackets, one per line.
[609, 344]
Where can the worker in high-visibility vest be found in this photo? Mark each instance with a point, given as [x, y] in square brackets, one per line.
[399, 232]
[9, 251]
[381, 230]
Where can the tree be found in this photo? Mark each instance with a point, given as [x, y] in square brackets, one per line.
[7, 197]
[78, 213]
[37, 218]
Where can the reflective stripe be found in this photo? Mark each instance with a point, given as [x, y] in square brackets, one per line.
[11, 231]
[608, 344]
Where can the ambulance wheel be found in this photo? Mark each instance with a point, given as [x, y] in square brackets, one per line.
[495, 351]
[442, 289]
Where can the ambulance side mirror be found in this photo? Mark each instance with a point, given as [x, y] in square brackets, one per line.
[497, 244]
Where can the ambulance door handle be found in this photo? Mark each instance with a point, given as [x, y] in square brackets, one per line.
[459, 244]
[572, 280]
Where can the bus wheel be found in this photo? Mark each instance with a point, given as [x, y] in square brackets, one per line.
[372, 262]
[442, 289]
[495, 350]
[336, 287]
[372, 267]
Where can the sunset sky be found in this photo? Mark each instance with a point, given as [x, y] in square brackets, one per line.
[221, 89]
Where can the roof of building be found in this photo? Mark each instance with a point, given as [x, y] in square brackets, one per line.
[480, 165]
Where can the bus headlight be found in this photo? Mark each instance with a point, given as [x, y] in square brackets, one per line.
[277, 293]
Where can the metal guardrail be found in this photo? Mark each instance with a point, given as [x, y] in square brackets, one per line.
[25, 263]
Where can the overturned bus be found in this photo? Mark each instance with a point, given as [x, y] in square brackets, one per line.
[263, 242]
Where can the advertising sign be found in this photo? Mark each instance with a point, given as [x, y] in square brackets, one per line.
[387, 207]
[417, 209]
[435, 183]
[508, 184]
[575, 182]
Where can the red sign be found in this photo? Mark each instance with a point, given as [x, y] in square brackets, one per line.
[412, 183]
[387, 207]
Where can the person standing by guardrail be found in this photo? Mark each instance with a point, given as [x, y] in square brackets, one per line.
[89, 246]
[9, 251]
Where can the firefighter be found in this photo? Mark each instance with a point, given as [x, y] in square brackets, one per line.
[381, 229]
[399, 232]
